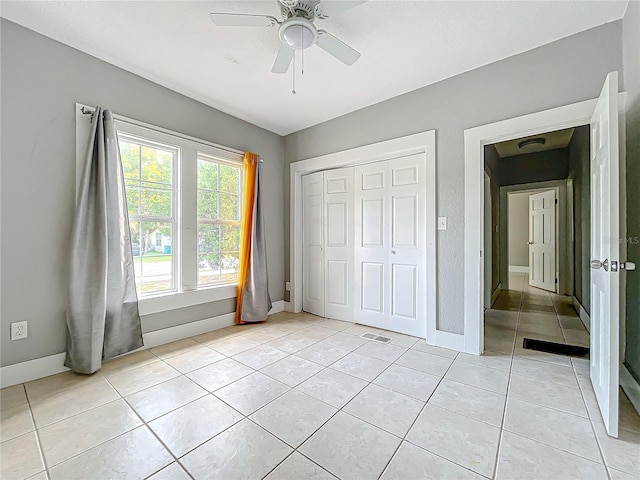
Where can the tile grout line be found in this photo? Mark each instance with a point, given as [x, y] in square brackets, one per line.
[506, 398]
[181, 374]
[37, 433]
[404, 437]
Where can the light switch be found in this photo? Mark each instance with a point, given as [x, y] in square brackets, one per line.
[442, 223]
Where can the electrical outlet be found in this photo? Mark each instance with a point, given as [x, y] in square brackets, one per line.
[287, 286]
[19, 330]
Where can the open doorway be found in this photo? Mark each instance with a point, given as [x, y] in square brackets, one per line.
[538, 263]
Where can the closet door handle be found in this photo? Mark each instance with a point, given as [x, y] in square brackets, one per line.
[393, 252]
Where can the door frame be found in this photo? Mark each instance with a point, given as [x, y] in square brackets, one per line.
[424, 142]
[475, 139]
[564, 218]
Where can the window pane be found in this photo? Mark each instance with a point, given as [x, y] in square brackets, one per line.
[157, 165]
[130, 155]
[153, 262]
[230, 238]
[207, 204]
[207, 175]
[229, 179]
[229, 271]
[133, 198]
[155, 202]
[229, 207]
[208, 254]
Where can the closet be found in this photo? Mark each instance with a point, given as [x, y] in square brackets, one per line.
[364, 244]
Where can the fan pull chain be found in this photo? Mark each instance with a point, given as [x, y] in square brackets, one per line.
[294, 73]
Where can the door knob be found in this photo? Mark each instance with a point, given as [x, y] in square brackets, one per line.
[628, 266]
[393, 252]
[596, 264]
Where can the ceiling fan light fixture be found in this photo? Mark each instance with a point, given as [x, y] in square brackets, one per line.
[298, 33]
[531, 141]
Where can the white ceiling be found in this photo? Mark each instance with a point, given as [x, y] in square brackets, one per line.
[405, 45]
[552, 141]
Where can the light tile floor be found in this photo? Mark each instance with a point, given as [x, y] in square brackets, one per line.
[303, 397]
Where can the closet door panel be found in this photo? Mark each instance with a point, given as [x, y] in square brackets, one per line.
[339, 241]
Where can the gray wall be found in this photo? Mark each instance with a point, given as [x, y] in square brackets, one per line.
[491, 162]
[519, 229]
[579, 172]
[563, 72]
[534, 167]
[631, 59]
[41, 81]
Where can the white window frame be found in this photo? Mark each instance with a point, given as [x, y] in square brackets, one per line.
[185, 239]
[199, 221]
[175, 206]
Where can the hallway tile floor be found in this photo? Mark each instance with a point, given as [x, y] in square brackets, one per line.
[304, 397]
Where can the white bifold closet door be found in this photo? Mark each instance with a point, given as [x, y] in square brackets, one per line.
[327, 249]
[339, 246]
[390, 241]
[313, 299]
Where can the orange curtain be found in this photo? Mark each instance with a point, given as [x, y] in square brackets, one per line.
[249, 169]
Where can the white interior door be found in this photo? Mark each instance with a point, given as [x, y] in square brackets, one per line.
[407, 266]
[372, 244]
[313, 298]
[542, 240]
[390, 241]
[339, 246]
[605, 253]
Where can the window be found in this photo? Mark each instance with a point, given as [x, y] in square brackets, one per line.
[183, 197]
[149, 173]
[218, 220]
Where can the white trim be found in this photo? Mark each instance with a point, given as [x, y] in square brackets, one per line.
[174, 300]
[186, 330]
[474, 141]
[287, 307]
[518, 269]
[630, 386]
[418, 143]
[277, 307]
[495, 293]
[53, 364]
[32, 369]
[582, 313]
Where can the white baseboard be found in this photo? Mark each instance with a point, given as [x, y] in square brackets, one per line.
[452, 341]
[288, 307]
[32, 369]
[518, 269]
[277, 307]
[631, 387]
[53, 364]
[496, 292]
[186, 330]
[582, 313]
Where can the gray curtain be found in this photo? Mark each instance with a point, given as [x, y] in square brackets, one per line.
[102, 310]
[256, 301]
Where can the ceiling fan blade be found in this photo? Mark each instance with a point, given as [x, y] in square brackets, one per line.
[283, 60]
[242, 20]
[331, 8]
[337, 48]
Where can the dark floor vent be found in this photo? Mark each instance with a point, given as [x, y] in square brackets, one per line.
[557, 348]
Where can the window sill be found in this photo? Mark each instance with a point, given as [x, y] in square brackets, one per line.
[174, 300]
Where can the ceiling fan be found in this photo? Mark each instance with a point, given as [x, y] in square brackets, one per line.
[297, 30]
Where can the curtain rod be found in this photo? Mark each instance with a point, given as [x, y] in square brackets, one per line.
[89, 111]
